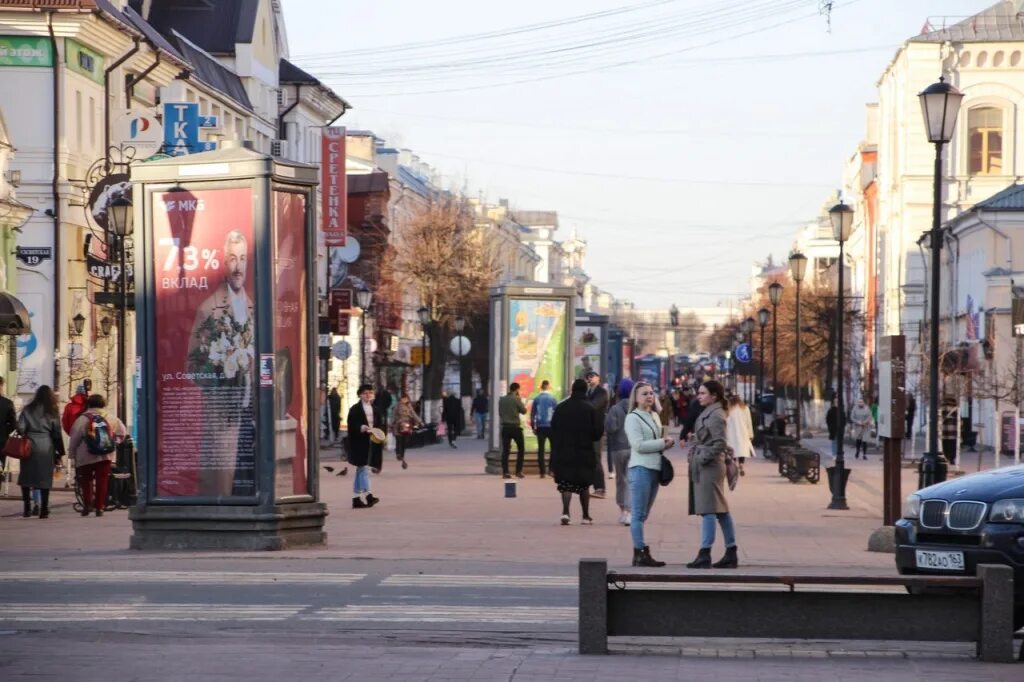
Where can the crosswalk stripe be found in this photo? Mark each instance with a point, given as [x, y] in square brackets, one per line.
[409, 580]
[438, 613]
[192, 577]
[448, 614]
[149, 611]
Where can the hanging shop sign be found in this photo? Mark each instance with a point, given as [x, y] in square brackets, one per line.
[182, 123]
[334, 185]
[101, 269]
[139, 129]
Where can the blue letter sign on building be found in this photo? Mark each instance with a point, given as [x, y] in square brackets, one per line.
[181, 129]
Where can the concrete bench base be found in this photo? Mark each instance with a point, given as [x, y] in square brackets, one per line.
[976, 609]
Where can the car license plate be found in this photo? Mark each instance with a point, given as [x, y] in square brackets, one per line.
[940, 561]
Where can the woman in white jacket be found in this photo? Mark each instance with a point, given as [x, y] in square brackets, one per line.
[646, 443]
[739, 431]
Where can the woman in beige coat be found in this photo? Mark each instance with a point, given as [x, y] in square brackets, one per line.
[707, 477]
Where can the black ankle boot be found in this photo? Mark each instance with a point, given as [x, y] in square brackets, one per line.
[729, 560]
[637, 554]
[645, 559]
[703, 559]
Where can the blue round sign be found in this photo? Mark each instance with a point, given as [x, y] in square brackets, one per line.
[743, 353]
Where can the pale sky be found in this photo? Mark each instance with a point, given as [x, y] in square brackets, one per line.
[684, 139]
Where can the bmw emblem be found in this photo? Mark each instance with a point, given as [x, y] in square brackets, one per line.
[961, 491]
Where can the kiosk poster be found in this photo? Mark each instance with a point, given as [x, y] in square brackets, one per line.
[205, 353]
[290, 330]
[537, 338]
[587, 350]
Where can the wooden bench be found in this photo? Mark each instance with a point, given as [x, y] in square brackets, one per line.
[729, 604]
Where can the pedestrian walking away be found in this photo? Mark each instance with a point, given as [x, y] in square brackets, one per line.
[39, 421]
[646, 444]
[334, 410]
[364, 454]
[911, 411]
[618, 445]
[93, 447]
[451, 415]
[597, 395]
[836, 425]
[739, 431]
[542, 409]
[575, 427]
[403, 422]
[860, 425]
[510, 406]
[479, 411]
[706, 453]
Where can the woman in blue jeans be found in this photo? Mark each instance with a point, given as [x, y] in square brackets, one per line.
[643, 431]
[707, 477]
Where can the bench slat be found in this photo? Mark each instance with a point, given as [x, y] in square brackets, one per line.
[791, 580]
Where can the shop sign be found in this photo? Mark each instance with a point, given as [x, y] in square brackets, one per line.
[182, 123]
[25, 51]
[334, 186]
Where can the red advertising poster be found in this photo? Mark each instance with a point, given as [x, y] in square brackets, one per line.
[291, 413]
[205, 330]
[334, 186]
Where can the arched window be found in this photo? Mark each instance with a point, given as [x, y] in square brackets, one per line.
[985, 141]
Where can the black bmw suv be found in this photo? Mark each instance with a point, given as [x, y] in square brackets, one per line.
[951, 527]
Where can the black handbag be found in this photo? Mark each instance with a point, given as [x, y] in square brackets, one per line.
[667, 472]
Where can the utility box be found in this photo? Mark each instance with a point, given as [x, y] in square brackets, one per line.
[225, 295]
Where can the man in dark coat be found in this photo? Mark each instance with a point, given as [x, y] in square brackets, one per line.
[451, 415]
[597, 396]
[575, 427]
[8, 421]
[363, 453]
[693, 410]
[334, 410]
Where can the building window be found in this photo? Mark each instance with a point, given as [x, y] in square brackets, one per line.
[985, 141]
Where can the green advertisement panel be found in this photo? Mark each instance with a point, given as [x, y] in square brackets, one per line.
[25, 51]
[537, 350]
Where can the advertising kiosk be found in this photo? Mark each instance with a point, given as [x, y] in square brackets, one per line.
[532, 326]
[225, 296]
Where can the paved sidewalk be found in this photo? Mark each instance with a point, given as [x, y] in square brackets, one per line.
[445, 507]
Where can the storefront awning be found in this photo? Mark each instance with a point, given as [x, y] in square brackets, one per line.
[14, 319]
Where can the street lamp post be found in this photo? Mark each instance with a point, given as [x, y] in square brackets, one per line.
[120, 219]
[460, 326]
[762, 321]
[424, 315]
[364, 299]
[775, 296]
[842, 222]
[940, 104]
[797, 269]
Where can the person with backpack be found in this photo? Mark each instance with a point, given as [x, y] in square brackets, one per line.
[94, 438]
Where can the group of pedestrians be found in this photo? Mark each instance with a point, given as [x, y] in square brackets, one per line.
[93, 439]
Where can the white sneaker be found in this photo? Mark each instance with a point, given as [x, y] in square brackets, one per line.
[625, 518]
[611, 475]
[565, 519]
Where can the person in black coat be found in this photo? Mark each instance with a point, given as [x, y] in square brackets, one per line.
[451, 415]
[693, 410]
[835, 423]
[575, 427]
[8, 421]
[363, 453]
[334, 410]
[597, 396]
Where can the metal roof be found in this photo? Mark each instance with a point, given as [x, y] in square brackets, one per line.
[212, 72]
[1002, 22]
[216, 26]
[1009, 199]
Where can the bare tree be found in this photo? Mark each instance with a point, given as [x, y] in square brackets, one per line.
[443, 256]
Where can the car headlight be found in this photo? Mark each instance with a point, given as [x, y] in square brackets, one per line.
[912, 507]
[1007, 511]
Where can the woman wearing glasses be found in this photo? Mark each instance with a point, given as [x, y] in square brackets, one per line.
[643, 431]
